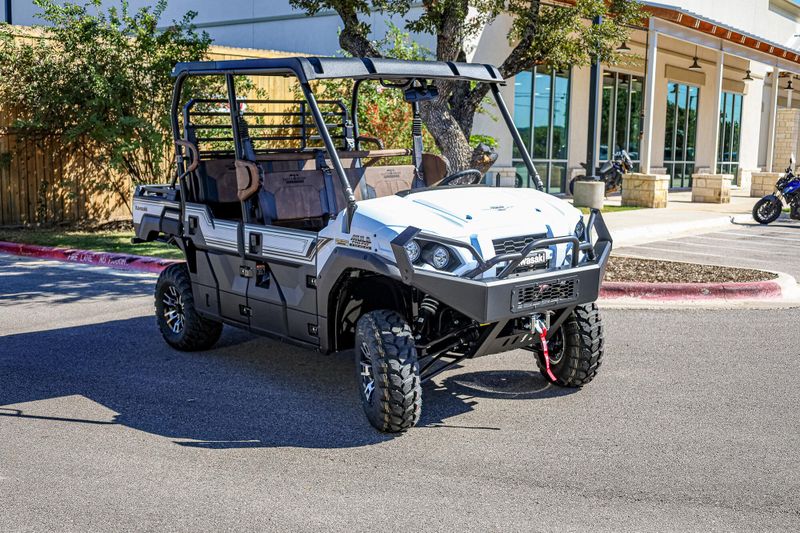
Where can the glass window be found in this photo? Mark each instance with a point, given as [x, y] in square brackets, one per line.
[730, 122]
[620, 123]
[523, 85]
[680, 138]
[541, 113]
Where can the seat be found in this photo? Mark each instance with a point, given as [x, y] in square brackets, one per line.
[216, 186]
[434, 168]
[378, 182]
[295, 199]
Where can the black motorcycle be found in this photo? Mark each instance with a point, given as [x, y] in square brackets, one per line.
[787, 189]
[610, 172]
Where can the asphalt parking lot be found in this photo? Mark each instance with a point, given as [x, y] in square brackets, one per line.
[693, 424]
[748, 245]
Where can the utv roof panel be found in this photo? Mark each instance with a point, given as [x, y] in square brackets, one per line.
[317, 68]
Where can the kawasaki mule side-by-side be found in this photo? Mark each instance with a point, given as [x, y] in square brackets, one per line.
[293, 228]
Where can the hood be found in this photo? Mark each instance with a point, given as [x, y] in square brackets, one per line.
[460, 212]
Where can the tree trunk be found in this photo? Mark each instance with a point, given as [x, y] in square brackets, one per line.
[452, 142]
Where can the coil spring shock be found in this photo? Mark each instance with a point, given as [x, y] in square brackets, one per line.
[427, 310]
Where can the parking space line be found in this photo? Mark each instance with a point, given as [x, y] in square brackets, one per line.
[740, 241]
[764, 236]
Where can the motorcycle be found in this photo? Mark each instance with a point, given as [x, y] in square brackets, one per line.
[787, 189]
[610, 172]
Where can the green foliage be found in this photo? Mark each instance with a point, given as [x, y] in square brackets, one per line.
[98, 80]
[564, 36]
[383, 112]
[475, 140]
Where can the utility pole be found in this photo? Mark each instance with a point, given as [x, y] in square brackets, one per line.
[8, 11]
[594, 90]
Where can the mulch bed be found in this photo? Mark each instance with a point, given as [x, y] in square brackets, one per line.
[656, 271]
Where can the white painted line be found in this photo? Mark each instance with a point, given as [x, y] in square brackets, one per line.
[737, 241]
[763, 236]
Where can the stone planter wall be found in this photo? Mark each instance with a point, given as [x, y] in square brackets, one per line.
[645, 190]
[711, 188]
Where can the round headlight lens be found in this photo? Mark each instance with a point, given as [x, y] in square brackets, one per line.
[413, 250]
[440, 257]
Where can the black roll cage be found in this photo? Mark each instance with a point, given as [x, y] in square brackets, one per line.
[307, 69]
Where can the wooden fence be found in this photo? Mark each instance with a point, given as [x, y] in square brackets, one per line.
[43, 183]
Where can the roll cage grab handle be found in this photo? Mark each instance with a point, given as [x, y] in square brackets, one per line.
[181, 171]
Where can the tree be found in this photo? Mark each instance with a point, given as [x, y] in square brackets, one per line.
[99, 82]
[540, 34]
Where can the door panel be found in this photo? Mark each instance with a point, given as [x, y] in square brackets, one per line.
[233, 286]
[282, 299]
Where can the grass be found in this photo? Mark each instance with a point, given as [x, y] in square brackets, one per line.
[102, 241]
[610, 209]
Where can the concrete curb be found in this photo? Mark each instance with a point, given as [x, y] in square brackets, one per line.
[106, 259]
[691, 291]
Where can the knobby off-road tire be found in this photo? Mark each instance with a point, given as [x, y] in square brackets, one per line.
[180, 324]
[386, 357]
[576, 349]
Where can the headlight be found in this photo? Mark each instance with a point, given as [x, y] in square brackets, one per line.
[580, 229]
[413, 250]
[439, 257]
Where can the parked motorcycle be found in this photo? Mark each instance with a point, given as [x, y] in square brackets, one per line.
[787, 189]
[610, 172]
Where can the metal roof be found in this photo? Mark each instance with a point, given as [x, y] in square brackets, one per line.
[317, 68]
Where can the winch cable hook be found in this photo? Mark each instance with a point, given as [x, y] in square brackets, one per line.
[538, 326]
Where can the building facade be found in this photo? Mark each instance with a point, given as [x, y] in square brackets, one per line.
[703, 87]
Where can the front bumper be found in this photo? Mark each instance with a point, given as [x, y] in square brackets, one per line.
[508, 296]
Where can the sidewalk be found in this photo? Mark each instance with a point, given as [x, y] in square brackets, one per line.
[680, 218]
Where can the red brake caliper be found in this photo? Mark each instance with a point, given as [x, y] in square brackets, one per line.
[538, 325]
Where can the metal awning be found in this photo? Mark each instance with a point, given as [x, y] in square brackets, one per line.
[739, 41]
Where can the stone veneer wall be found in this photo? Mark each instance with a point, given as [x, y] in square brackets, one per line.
[787, 136]
[763, 183]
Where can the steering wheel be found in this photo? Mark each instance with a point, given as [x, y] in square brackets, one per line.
[469, 176]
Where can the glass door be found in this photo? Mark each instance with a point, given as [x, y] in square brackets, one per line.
[541, 113]
[620, 124]
[680, 138]
[730, 122]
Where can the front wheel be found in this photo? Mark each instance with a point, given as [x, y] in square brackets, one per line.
[388, 371]
[767, 210]
[576, 349]
[180, 324]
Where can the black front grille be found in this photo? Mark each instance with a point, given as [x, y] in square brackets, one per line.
[510, 245]
[542, 294]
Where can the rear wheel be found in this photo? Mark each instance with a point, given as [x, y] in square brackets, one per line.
[576, 349]
[180, 324]
[388, 371]
[767, 210]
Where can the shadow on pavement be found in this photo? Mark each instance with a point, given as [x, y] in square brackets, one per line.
[49, 282]
[246, 392]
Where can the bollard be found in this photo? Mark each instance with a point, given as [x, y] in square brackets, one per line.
[589, 194]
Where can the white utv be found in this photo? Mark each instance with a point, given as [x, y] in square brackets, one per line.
[291, 228]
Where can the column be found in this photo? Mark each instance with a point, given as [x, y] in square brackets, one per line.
[717, 102]
[649, 102]
[773, 112]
